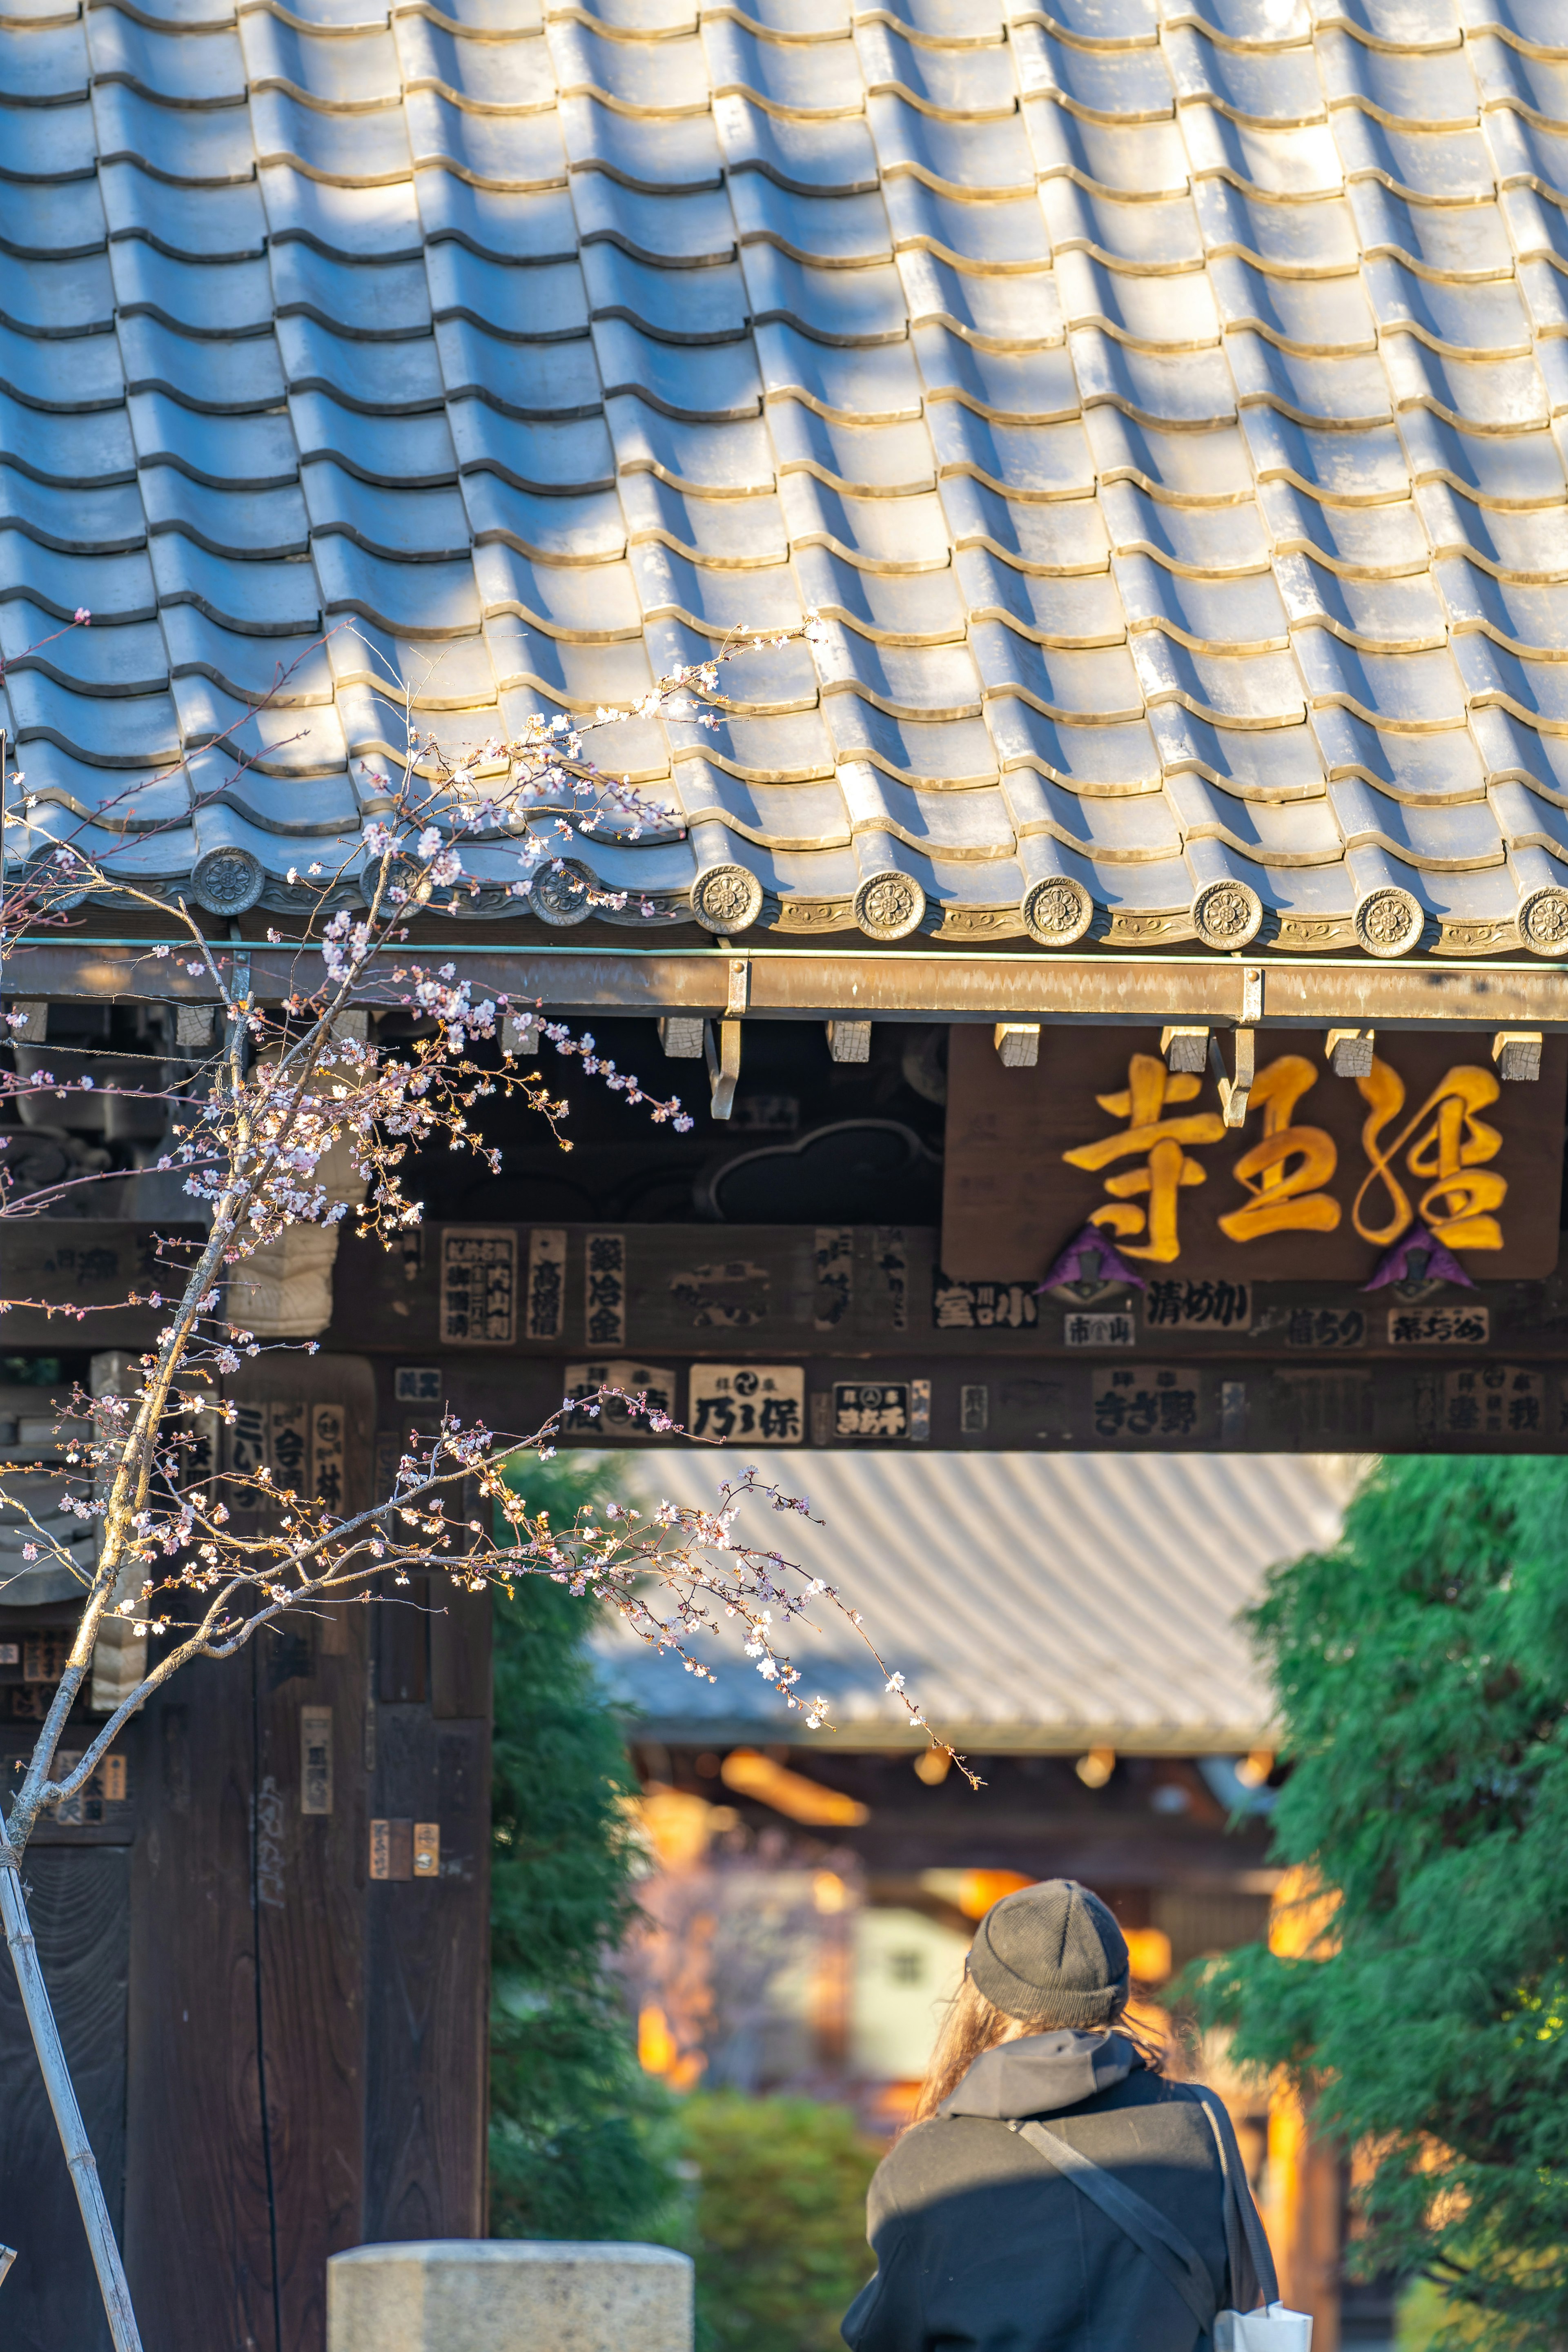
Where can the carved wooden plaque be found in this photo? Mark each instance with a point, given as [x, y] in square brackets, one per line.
[1323, 1178]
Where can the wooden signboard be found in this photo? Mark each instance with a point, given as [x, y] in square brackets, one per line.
[1325, 1175]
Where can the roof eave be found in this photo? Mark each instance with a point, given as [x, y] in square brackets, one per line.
[889, 983]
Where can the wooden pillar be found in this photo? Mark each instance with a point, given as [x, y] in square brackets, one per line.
[1304, 2200]
[1302, 2213]
[198, 2244]
[305, 2064]
[308, 2045]
[427, 1933]
[310, 1837]
[80, 1900]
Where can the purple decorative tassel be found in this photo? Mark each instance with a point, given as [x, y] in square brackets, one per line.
[1076, 1262]
[1441, 1265]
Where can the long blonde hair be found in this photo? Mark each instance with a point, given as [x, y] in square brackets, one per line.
[973, 2025]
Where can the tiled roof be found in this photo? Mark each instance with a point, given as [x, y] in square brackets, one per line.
[1165, 410]
[1032, 1600]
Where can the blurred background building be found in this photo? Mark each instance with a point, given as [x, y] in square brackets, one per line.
[1070, 1623]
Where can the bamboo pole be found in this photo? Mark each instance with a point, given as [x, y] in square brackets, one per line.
[78, 2152]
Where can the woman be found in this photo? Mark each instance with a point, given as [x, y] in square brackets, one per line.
[986, 2243]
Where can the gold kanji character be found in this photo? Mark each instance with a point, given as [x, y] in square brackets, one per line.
[1445, 1147]
[1160, 1142]
[1281, 1175]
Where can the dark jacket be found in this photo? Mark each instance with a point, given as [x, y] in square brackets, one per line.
[982, 2247]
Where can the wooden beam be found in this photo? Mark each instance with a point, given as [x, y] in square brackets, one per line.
[850, 1041]
[1351, 1052]
[1186, 1049]
[680, 1037]
[194, 1024]
[1517, 1053]
[1018, 1044]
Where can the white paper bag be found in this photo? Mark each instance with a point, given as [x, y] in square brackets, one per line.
[1274, 2330]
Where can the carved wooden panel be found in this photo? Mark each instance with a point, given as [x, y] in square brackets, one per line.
[1323, 1177]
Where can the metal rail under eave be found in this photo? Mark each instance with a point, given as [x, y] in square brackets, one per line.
[893, 984]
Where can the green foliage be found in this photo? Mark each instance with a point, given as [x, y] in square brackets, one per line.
[780, 2234]
[1422, 1672]
[768, 2194]
[1425, 2320]
[583, 2143]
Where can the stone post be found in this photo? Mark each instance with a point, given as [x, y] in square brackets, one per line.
[508, 2295]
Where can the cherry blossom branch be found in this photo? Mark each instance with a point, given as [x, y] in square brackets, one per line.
[306, 1556]
[205, 1558]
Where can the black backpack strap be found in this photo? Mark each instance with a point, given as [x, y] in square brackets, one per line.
[1238, 2202]
[1173, 2254]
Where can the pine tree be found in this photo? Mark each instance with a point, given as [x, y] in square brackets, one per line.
[583, 2143]
[1421, 1669]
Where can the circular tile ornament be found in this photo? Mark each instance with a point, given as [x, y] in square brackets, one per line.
[1543, 920]
[1057, 911]
[1389, 922]
[726, 898]
[1227, 914]
[890, 905]
[227, 881]
[558, 893]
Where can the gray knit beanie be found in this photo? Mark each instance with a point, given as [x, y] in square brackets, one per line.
[1051, 1951]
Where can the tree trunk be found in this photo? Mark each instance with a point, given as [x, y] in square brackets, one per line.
[68, 2114]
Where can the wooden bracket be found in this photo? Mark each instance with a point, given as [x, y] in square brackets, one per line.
[1234, 1091]
[1517, 1053]
[1184, 1049]
[239, 978]
[1018, 1043]
[1351, 1052]
[234, 1025]
[723, 1065]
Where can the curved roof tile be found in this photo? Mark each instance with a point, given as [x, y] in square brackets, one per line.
[1115, 1587]
[1167, 420]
